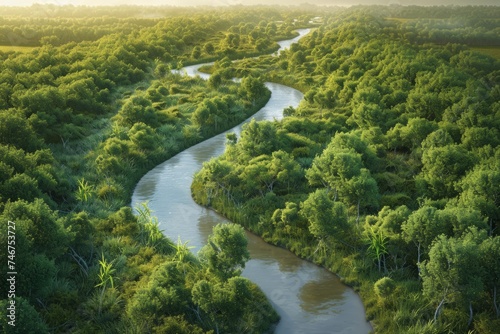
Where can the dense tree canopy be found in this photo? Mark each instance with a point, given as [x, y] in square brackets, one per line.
[397, 143]
[84, 113]
[386, 173]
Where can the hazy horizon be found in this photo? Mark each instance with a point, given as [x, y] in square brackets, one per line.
[185, 3]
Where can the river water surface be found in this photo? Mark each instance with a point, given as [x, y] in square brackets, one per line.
[308, 298]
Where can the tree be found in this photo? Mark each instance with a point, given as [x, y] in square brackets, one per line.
[27, 319]
[361, 190]
[215, 79]
[475, 137]
[226, 251]
[143, 136]
[201, 115]
[16, 130]
[264, 173]
[285, 169]
[176, 325]
[209, 48]
[457, 220]
[286, 219]
[490, 253]
[224, 302]
[333, 168]
[34, 220]
[258, 138]
[21, 186]
[443, 166]
[41, 99]
[258, 176]
[217, 176]
[410, 136]
[196, 53]
[387, 225]
[480, 191]
[366, 115]
[327, 219]
[252, 89]
[453, 273]
[138, 109]
[211, 113]
[359, 142]
[438, 138]
[165, 295]
[421, 228]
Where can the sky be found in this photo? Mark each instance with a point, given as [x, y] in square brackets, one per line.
[247, 2]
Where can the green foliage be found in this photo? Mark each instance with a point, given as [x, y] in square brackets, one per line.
[34, 220]
[443, 166]
[27, 175]
[392, 132]
[421, 228]
[149, 230]
[164, 296]
[479, 192]
[182, 251]
[83, 117]
[226, 251]
[489, 250]
[377, 247]
[395, 112]
[177, 325]
[223, 302]
[138, 109]
[15, 130]
[453, 272]
[27, 319]
[252, 89]
[106, 272]
[258, 138]
[384, 287]
[85, 192]
[326, 217]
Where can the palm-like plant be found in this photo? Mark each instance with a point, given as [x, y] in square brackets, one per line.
[85, 191]
[106, 272]
[182, 250]
[151, 234]
[377, 243]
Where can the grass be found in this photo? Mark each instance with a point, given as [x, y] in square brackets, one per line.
[15, 48]
[493, 51]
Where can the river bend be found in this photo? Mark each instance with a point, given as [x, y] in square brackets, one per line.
[308, 298]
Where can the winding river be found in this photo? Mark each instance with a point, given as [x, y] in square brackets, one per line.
[308, 298]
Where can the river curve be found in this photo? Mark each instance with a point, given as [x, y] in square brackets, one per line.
[308, 298]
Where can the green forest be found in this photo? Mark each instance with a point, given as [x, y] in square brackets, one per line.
[386, 174]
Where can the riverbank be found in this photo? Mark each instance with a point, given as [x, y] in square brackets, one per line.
[307, 297]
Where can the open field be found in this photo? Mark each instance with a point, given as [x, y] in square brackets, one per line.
[7, 48]
[493, 51]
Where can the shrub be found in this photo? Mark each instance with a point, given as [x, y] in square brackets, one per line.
[384, 287]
